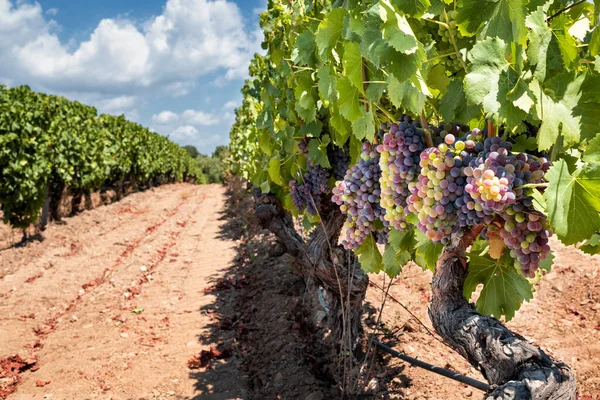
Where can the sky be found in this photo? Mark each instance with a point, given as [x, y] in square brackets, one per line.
[174, 66]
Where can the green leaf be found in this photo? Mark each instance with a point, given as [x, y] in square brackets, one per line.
[592, 245]
[275, 170]
[402, 240]
[546, 263]
[396, 29]
[524, 144]
[454, 106]
[306, 45]
[265, 143]
[265, 187]
[491, 81]
[330, 30]
[318, 153]
[557, 114]
[550, 49]
[414, 8]
[504, 289]
[349, 99]
[404, 95]
[352, 62]
[394, 260]
[137, 310]
[504, 19]
[364, 127]
[305, 96]
[327, 81]
[427, 253]
[369, 256]
[341, 126]
[587, 107]
[592, 152]
[597, 63]
[573, 201]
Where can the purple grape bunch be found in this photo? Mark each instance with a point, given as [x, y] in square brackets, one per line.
[358, 196]
[308, 194]
[399, 162]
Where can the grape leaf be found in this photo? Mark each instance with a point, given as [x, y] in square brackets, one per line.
[364, 127]
[330, 30]
[275, 170]
[396, 29]
[546, 263]
[587, 107]
[349, 99]
[426, 252]
[403, 94]
[597, 63]
[352, 62]
[550, 48]
[573, 201]
[592, 245]
[317, 152]
[372, 45]
[327, 81]
[453, 105]
[557, 114]
[341, 127]
[592, 152]
[491, 81]
[504, 289]
[305, 96]
[394, 260]
[504, 19]
[369, 256]
[523, 144]
[414, 8]
[306, 47]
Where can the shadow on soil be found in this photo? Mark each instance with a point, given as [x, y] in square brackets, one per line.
[267, 345]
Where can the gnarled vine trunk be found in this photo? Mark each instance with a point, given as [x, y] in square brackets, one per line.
[514, 368]
[322, 262]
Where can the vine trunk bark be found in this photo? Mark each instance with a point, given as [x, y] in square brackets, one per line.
[514, 368]
[324, 263]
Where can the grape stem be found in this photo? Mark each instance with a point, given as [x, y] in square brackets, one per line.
[426, 134]
[533, 185]
[491, 129]
[556, 14]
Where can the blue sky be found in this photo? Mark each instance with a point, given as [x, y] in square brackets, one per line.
[175, 66]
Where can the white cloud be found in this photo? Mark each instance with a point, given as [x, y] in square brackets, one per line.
[165, 117]
[230, 105]
[184, 134]
[166, 53]
[52, 11]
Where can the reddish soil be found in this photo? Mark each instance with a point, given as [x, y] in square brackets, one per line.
[167, 294]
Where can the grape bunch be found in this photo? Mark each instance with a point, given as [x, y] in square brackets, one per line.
[495, 178]
[525, 233]
[340, 161]
[358, 196]
[308, 194]
[439, 185]
[399, 162]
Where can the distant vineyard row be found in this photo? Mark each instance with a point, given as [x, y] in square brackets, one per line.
[48, 143]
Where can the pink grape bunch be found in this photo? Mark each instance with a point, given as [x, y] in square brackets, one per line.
[439, 185]
[525, 233]
[494, 180]
[399, 162]
[358, 196]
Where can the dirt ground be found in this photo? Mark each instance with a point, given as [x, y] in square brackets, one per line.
[121, 300]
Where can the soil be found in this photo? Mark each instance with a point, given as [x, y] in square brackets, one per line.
[174, 293]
